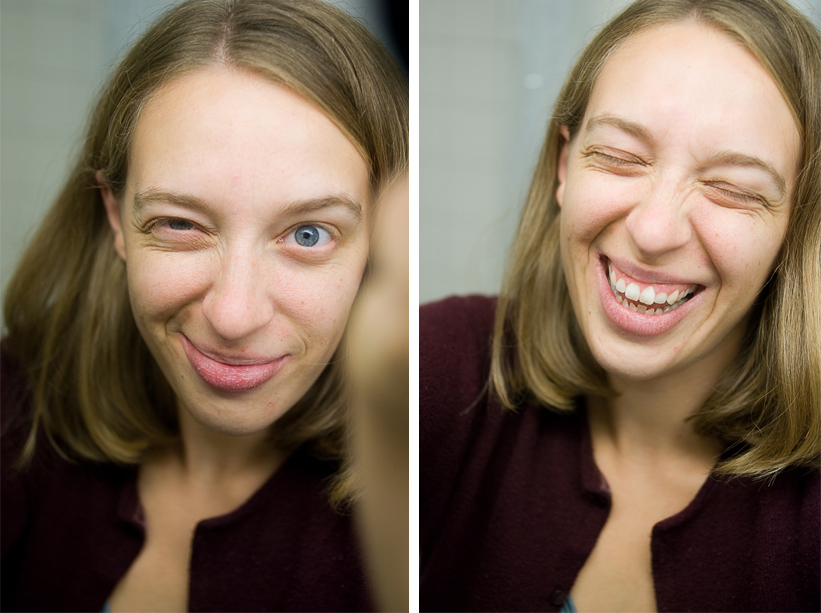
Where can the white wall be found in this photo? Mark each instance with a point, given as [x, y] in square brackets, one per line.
[54, 56]
[489, 73]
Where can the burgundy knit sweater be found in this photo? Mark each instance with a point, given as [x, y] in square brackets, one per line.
[71, 531]
[511, 503]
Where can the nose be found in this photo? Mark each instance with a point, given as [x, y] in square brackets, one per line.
[660, 221]
[237, 303]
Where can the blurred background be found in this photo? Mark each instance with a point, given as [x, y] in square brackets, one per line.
[489, 71]
[54, 57]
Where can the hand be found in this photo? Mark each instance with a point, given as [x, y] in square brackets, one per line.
[378, 349]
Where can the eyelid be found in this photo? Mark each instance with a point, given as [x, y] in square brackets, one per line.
[619, 158]
[166, 220]
[736, 193]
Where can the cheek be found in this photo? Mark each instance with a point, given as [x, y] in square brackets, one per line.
[593, 202]
[319, 300]
[743, 248]
[160, 284]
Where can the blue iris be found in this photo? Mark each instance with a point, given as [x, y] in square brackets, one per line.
[307, 236]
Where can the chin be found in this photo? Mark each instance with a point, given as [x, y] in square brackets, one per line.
[632, 365]
[233, 419]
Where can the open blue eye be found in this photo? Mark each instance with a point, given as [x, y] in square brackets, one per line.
[310, 236]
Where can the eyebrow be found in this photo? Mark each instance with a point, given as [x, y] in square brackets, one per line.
[721, 158]
[632, 128]
[734, 158]
[297, 207]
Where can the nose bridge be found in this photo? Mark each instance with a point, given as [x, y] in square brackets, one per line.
[237, 303]
[660, 221]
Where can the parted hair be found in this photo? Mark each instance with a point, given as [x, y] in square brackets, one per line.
[767, 404]
[98, 395]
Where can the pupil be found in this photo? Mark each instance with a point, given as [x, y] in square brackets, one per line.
[307, 236]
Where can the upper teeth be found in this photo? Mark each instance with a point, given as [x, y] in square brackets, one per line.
[647, 296]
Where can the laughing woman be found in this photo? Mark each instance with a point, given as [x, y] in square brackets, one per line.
[635, 423]
[173, 422]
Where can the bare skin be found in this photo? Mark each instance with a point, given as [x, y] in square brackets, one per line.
[212, 475]
[653, 473]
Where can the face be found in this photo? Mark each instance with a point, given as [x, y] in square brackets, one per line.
[675, 198]
[243, 229]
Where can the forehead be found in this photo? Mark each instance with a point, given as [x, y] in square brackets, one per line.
[224, 134]
[690, 81]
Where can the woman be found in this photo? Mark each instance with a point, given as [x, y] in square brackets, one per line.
[172, 394]
[634, 424]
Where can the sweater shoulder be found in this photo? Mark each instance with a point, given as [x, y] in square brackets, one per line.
[454, 341]
[458, 314]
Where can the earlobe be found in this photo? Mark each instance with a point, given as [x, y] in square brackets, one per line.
[561, 170]
[112, 209]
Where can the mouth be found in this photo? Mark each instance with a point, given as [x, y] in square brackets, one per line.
[647, 298]
[231, 374]
[647, 306]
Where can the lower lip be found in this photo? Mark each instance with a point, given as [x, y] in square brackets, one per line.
[638, 323]
[231, 377]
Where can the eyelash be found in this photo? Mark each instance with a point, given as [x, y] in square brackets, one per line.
[615, 160]
[741, 196]
[166, 222]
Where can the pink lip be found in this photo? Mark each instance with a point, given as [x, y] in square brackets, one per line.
[650, 277]
[231, 374]
[638, 323]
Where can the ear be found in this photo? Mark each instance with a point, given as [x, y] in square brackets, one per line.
[112, 209]
[561, 171]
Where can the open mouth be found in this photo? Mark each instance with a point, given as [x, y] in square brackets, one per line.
[647, 298]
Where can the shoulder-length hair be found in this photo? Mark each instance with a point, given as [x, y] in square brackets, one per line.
[98, 395]
[767, 404]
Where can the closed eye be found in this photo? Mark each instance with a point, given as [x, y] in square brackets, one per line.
[621, 164]
[724, 190]
[616, 161]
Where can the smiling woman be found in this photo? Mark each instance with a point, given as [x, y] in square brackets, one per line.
[249, 210]
[174, 415]
[656, 336]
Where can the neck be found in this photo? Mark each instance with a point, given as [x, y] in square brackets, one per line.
[648, 421]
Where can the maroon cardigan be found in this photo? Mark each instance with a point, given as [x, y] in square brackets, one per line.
[71, 531]
[511, 503]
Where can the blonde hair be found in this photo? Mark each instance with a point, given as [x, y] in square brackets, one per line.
[97, 392]
[767, 404]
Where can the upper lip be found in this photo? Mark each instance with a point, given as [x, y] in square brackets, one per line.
[231, 360]
[646, 275]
